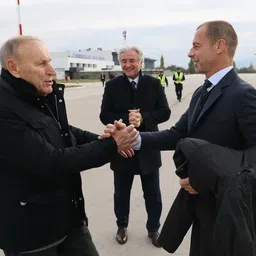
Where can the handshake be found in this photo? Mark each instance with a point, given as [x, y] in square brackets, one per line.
[126, 137]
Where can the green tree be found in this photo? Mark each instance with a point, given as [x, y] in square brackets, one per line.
[191, 67]
[234, 65]
[162, 62]
[251, 66]
[172, 68]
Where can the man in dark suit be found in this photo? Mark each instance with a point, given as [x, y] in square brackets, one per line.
[140, 100]
[222, 111]
[102, 78]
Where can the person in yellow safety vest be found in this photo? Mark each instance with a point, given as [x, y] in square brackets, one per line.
[163, 79]
[178, 78]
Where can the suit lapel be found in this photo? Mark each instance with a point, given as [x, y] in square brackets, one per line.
[141, 78]
[192, 122]
[215, 94]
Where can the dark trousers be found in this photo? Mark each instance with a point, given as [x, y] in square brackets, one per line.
[77, 243]
[103, 81]
[123, 180]
[178, 89]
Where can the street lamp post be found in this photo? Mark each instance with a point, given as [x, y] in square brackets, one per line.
[124, 35]
[19, 18]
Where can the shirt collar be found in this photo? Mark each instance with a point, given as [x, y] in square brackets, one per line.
[136, 80]
[215, 78]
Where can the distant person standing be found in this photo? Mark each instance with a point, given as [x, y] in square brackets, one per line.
[163, 79]
[111, 76]
[102, 78]
[178, 78]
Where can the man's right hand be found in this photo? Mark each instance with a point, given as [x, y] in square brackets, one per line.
[125, 137]
[120, 133]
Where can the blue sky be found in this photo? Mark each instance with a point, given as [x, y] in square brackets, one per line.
[162, 27]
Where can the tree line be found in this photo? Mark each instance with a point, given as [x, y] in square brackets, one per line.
[191, 69]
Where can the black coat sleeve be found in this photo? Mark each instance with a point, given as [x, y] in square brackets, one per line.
[82, 136]
[166, 139]
[246, 115]
[28, 150]
[166, 80]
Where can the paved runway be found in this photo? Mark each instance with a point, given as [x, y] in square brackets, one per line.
[83, 105]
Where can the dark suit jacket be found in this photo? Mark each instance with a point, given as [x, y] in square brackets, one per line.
[227, 119]
[150, 98]
[102, 77]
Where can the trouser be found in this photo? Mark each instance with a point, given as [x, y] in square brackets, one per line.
[103, 81]
[77, 243]
[178, 89]
[123, 180]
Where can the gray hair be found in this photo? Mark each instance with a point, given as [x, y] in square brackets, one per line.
[132, 48]
[10, 47]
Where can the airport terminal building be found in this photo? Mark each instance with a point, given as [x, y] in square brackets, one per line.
[90, 63]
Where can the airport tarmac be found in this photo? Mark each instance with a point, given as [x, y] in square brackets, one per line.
[83, 107]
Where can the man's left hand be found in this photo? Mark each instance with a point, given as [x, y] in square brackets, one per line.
[184, 183]
[135, 117]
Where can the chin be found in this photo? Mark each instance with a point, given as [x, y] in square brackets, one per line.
[47, 91]
[198, 70]
[132, 75]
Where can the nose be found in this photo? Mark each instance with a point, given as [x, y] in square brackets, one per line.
[127, 64]
[191, 53]
[51, 70]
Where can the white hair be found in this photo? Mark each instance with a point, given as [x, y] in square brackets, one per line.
[10, 47]
[132, 48]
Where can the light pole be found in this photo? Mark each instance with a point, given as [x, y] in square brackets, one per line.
[124, 35]
[19, 18]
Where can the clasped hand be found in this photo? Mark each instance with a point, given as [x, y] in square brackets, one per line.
[126, 137]
[135, 117]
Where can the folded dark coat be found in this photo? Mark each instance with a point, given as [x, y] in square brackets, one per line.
[229, 175]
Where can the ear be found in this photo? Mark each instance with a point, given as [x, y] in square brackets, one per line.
[13, 68]
[221, 46]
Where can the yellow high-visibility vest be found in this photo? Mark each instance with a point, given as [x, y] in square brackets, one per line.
[178, 77]
[162, 80]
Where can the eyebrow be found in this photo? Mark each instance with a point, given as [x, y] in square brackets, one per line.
[43, 60]
[128, 59]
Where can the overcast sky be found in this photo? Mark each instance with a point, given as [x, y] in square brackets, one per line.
[157, 26]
